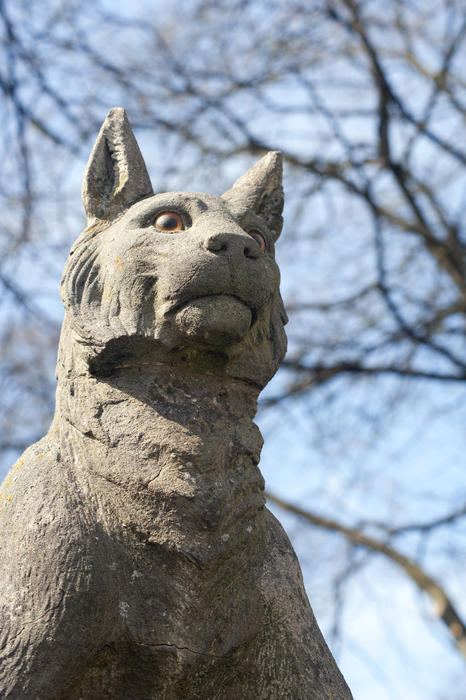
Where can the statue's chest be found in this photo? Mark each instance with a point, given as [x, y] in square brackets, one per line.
[182, 507]
[166, 597]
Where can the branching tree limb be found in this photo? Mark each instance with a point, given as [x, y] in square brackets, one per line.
[444, 607]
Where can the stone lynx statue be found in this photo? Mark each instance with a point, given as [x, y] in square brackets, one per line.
[138, 559]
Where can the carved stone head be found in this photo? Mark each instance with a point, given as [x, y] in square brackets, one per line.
[176, 276]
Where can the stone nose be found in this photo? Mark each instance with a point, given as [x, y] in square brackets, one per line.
[236, 245]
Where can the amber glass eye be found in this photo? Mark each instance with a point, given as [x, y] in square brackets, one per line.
[259, 238]
[168, 221]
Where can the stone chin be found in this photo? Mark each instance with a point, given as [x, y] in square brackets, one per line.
[216, 320]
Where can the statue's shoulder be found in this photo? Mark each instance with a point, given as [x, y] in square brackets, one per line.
[32, 488]
[278, 545]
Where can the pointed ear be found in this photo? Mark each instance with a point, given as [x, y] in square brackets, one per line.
[116, 175]
[260, 190]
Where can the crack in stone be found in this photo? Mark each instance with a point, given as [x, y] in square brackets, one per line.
[174, 646]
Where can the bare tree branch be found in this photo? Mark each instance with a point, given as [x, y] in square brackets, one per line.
[444, 608]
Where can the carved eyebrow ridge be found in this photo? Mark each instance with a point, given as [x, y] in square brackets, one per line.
[202, 206]
[174, 200]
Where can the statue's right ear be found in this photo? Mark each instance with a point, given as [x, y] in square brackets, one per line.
[116, 175]
[260, 190]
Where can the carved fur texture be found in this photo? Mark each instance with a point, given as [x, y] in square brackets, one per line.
[139, 560]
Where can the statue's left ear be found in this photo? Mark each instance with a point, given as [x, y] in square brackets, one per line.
[260, 190]
[116, 175]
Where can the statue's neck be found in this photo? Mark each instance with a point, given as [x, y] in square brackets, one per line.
[164, 441]
[133, 392]
[163, 405]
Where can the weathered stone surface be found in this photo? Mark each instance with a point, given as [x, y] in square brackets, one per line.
[138, 559]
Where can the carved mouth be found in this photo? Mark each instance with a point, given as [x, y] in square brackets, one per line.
[216, 320]
[182, 304]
